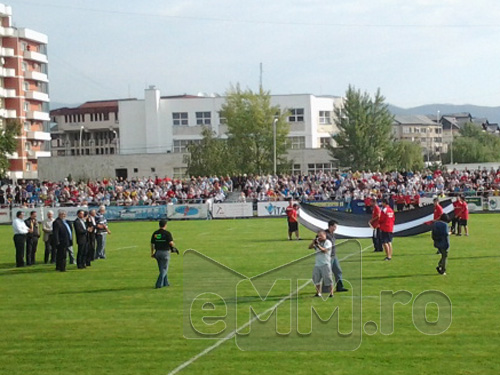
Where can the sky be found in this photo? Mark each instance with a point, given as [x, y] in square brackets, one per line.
[415, 51]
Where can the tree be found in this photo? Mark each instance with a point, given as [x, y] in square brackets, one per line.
[404, 155]
[365, 129]
[474, 146]
[8, 143]
[209, 157]
[250, 118]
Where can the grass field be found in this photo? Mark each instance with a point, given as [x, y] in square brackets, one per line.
[108, 319]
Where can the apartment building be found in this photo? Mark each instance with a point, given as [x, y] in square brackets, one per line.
[421, 130]
[89, 129]
[24, 88]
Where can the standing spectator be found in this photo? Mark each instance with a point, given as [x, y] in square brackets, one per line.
[81, 239]
[162, 243]
[322, 267]
[438, 210]
[464, 217]
[375, 224]
[293, 224]
[441, 239]
[91, 243]
[50, 251]
[336, 270]
[102, 232]
[62, 239]
[32, 238]
[20, 231]
[386, 228]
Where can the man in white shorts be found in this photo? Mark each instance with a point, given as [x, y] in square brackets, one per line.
[322, 267]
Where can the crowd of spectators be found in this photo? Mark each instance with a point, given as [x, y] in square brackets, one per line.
[346, 186]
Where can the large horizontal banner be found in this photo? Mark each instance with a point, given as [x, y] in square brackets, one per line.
[231, 210]
[272, 208]
[407, 223]
[114, 213]
[492, 204]
[187, 211]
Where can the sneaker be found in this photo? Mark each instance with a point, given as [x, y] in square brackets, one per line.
[386, 258]
[444, 274]
[317, 295]
[439, 270]
[342, 289]
[330, 296]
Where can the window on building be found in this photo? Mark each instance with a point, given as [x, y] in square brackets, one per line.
[325, 117]
[27, 126]
[28, 167]
[317, 167]
[423, 130]
[324, 142]
[27, 146]
[180, 118]
[136, 170]
[24, 46]
[296, 143]
[181, 144]
[295, 169]
[24, 66]
[106, 116]
[416, 130]
[180, 172]
[222, 119]
[297, 115]
[203, 118]
[153, 169]
[26, 106]
[406, 130]
[26, 86]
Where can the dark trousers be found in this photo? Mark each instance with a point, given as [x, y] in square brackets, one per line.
[50, 251]
[61, 258]
[444, 258]
[90, 248]
[31, 246]
[81, 257]
[454, 224]
[19, 243]
[377, 243]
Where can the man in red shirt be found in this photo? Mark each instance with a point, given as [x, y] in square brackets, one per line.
[438, 210]
[386, 222]
[464, 217]
[375, 224]
[291, 216]
[457, 208]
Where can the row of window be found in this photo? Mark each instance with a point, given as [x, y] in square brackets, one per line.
[92, 117]
[205, 118]
[422, 130]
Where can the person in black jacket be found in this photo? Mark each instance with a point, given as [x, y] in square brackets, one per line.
[62, 237]
[32, 238]
[441, 238]
[81, 239]
[91, 240]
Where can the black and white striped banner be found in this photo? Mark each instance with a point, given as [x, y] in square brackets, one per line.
[408, 223]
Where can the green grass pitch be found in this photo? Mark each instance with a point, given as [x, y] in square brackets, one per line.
[109, 319]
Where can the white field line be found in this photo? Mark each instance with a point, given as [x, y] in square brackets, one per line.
[127, 247]
[232, 334]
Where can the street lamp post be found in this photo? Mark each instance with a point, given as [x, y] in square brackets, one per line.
[81, 131]
[274, 143]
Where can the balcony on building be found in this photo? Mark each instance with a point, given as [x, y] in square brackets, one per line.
[37, 115]
[6, 52]
[8, 113]
[37, 154]
[36, 76]
[38, 135]
[36, 56]
[32, 35]
[5, 10]
[37, 95]
[7, 93]
[7, 32]
[7, 73]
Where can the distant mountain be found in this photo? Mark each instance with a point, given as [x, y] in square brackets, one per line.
[491, 113]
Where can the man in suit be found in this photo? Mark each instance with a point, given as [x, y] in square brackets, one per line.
[81, 239]
[32, 238]
[91, 240]
[62, 237]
